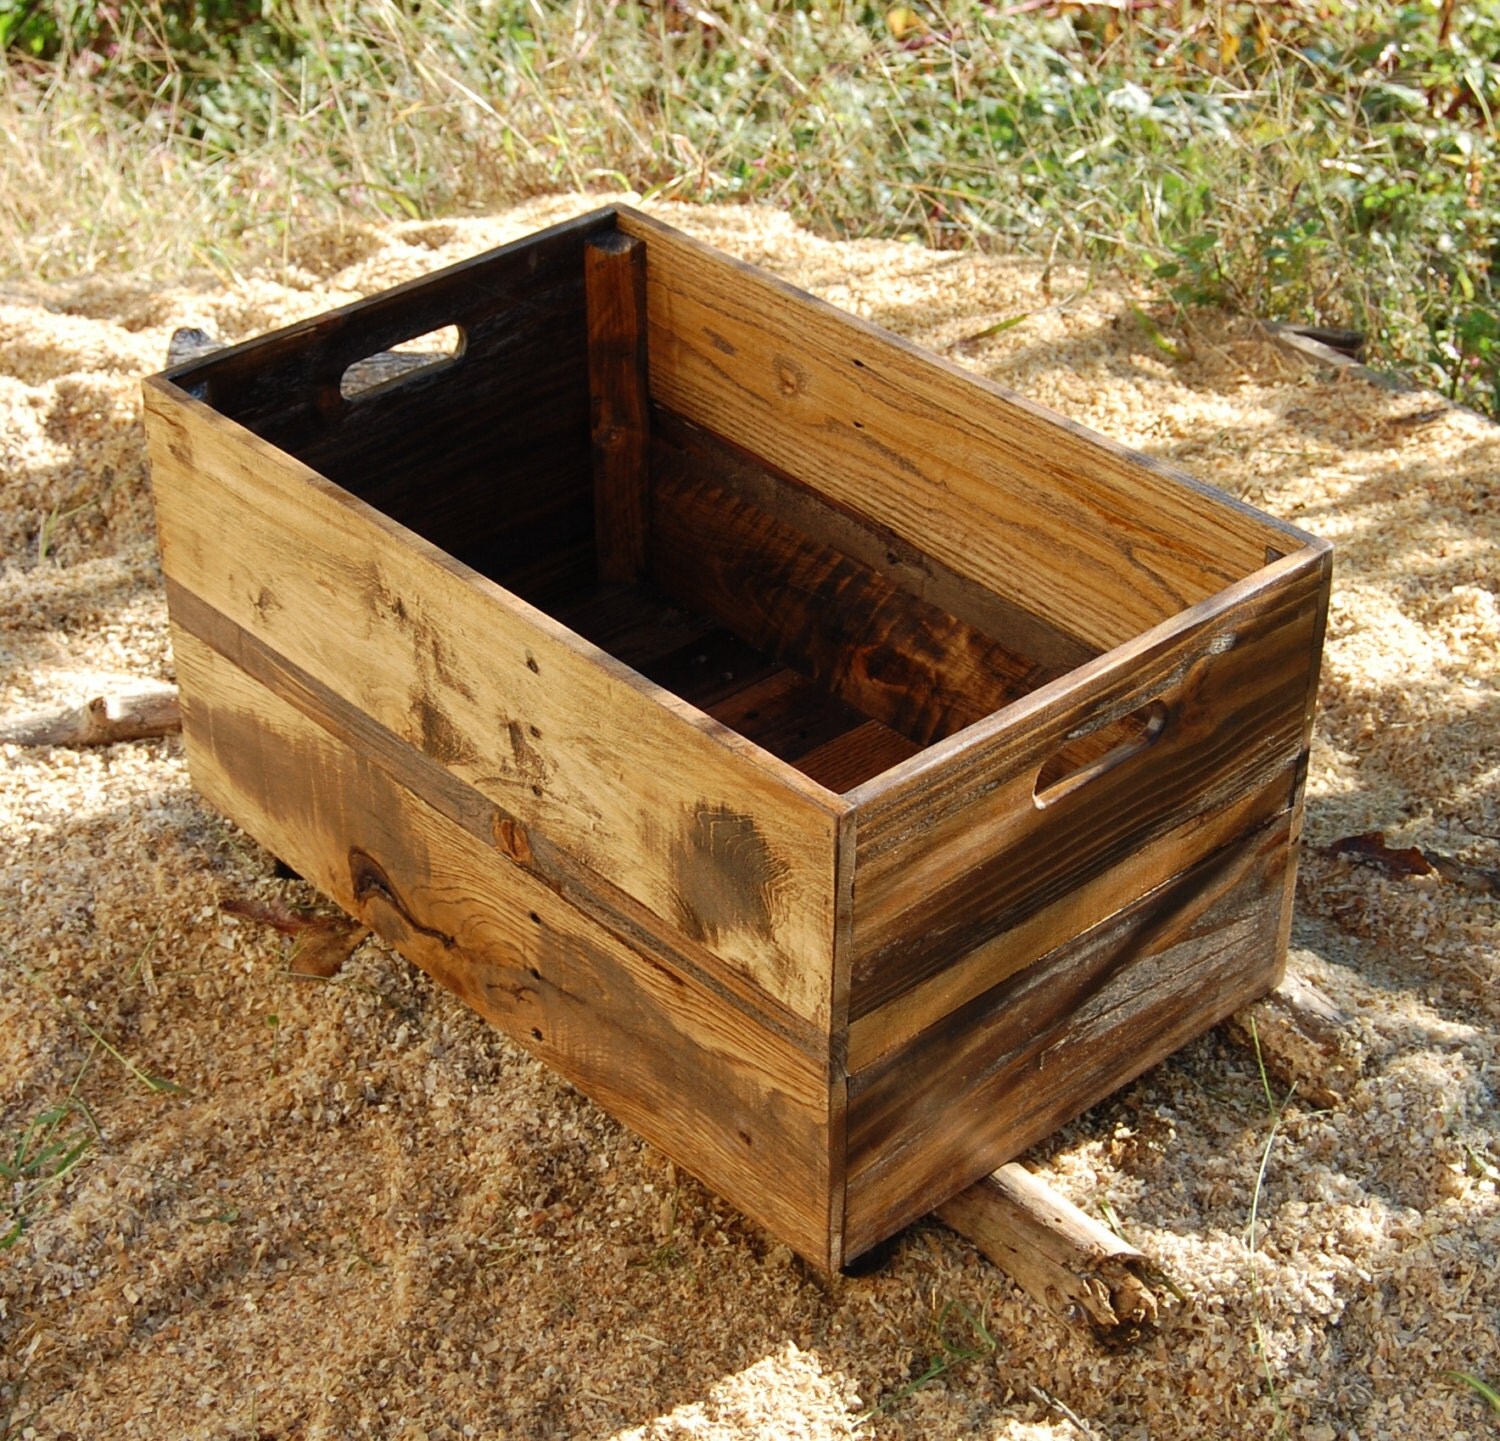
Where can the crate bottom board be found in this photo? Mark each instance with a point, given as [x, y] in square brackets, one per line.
[740, 1106]
[739, 685]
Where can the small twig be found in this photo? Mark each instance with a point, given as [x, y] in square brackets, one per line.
[1067, 1413]
[104, 720]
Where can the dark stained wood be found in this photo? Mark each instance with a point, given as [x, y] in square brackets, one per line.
[841, 768]
[888, 654]
[998, 1074]
[435, 785]
[614, 271]
[486, 456]
[1099, 542]
[725, 843]
[954, 849]
[631, 624]
[734, 1104]
[856, 756]
[681, 448]
[912, 1009]
[729, 679]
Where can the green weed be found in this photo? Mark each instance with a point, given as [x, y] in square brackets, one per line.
[38, 1158]
[950, 1354]
[1334, 164]
[1487, 1393]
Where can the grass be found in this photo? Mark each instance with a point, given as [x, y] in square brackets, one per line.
[1333, 164]
[38, 1158]
[949, 1354]
[1276, 1110]
[1486, 1393]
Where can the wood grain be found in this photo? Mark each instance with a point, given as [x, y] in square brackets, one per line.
[894, 657]
[741, 1109]
[1059, 1255]
[690, 451]
[486, 456]
[909, 1010]
[954, 849]
[614, 272]
[996, 1075]
[1101, 543]
[726, 844]
[436, 786]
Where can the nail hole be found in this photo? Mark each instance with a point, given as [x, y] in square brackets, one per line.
[536, 1035]
[536, 919]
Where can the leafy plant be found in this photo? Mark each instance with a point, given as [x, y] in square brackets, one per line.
[1334, 164]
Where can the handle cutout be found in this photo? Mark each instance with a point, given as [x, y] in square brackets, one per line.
[402, 362]
[1084, 758]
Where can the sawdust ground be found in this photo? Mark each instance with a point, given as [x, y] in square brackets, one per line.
[357, 1211]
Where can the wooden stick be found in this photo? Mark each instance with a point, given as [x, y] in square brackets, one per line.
[1057, 1254]
[135, 715]
[614, 269]
[1303, 1039]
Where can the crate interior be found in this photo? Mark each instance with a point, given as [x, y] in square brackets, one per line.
[828, 641]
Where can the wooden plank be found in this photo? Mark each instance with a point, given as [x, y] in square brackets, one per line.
[1100, 542]
[954, 849]
[487, 455]
[274, 383]
[732, 1103]
[726, 844]
[856, 756]
[614, 268]
[890, 655]
[979, 1086]
[909, 1011]
[1059, 1255]
[682, 448]
[435, 785]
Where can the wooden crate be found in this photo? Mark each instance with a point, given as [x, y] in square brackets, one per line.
[838, 767]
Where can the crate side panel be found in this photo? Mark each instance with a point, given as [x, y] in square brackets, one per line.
[732, 849]
[487, 456]
[955, 850]
[1102, 543]
[999, 1074]
[734, 1104]
[694, 455]
[910, 1012]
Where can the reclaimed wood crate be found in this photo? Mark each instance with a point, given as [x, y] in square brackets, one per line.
[841, 769]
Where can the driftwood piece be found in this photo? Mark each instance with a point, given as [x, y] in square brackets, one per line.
[1060, 1256]
[1303, 1039]
[131, 716]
